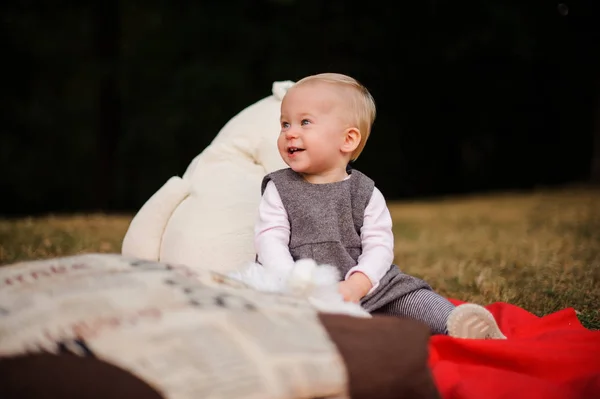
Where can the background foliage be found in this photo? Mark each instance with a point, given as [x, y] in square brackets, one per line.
[104, 100]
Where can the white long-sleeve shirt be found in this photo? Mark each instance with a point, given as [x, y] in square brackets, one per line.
[272, 236]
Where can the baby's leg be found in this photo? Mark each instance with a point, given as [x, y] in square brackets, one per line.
[464, 321]
[423, 305]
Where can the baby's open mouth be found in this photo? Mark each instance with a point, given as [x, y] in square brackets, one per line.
[292, 150]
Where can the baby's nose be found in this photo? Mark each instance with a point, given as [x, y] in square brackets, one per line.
[291, 133]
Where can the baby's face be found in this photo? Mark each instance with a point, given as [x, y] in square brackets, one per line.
[314, 121]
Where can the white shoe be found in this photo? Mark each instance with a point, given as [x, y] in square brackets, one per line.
[473, 321]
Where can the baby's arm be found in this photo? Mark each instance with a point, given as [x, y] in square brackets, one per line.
[377, 243]
[272, 232]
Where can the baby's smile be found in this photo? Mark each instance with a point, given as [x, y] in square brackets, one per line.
[293, 150]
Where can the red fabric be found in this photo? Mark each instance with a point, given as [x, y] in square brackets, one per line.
[544, 357]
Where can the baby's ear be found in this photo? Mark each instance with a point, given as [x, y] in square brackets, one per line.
[351, 140]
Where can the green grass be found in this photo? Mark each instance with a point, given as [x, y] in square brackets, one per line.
[539, 251]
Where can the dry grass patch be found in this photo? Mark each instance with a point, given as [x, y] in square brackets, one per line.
[540, 251]
[51, 236]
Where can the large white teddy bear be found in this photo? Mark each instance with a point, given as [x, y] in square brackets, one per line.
[206, 217]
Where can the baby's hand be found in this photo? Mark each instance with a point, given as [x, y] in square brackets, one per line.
[355, 287]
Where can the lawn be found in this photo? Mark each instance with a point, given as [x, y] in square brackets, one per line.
[539, 251]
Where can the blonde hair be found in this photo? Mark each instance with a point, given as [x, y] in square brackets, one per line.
[362, 102]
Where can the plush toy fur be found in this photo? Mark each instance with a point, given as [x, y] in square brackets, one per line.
[206, 218]
[317, 283]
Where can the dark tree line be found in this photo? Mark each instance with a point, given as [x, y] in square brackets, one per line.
[104, 100]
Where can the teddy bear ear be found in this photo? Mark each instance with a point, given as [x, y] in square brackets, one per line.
[280, 88]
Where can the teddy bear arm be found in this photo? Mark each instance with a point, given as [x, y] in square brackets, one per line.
[144, 236]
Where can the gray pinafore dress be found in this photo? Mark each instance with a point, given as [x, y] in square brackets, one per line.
[325, 222]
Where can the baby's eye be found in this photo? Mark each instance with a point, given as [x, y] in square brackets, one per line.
[304, 122]
[285, 125]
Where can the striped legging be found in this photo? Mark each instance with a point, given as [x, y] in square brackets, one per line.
[423, 305]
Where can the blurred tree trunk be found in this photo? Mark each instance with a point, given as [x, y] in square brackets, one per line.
[106, 42]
